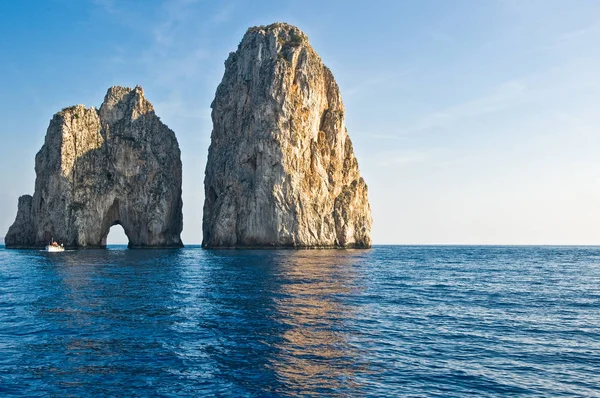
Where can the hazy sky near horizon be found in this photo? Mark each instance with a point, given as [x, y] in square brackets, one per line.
[474, 122]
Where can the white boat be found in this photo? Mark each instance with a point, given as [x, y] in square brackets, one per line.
[54, 247]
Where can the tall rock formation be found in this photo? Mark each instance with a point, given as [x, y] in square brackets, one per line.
[281, 170]
[98, 168]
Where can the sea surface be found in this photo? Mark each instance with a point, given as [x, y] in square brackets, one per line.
[447, 321]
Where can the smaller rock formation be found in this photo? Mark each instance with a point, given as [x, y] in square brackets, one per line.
[281, 169]
[98, 168]
[20, 234]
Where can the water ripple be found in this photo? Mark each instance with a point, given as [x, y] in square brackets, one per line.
[391, 321]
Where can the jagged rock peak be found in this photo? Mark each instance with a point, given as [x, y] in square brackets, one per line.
[120, 101]
[99, 167]
[286, 34]
[281, 169]
[274, 41]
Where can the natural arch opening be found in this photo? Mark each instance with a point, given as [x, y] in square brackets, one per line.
[116, 236]
[113, 231]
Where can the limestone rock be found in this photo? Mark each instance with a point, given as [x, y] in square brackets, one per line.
[97, 168]
[281, 169]
[20, 234]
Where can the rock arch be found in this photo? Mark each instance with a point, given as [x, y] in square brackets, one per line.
[112, 218]
[99, 167]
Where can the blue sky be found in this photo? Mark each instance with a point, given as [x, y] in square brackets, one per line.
[474, 122]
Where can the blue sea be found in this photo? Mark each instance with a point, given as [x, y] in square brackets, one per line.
[446, 321]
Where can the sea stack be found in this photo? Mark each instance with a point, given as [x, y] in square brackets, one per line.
[281, 169]
[98, 168]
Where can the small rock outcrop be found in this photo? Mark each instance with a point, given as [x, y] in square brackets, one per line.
[281, 169]
[98, 168]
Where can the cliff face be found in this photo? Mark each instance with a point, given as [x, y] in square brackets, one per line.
[97, 168]
[281, 169]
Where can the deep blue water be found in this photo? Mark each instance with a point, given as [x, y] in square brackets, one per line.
[391, 321]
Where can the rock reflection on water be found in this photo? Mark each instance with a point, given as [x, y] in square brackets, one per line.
[102, 313]
[188, 322]
[315, 355]
[277, 321]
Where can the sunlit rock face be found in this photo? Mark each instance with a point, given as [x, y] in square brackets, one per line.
[281, 169]
[98, 168]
